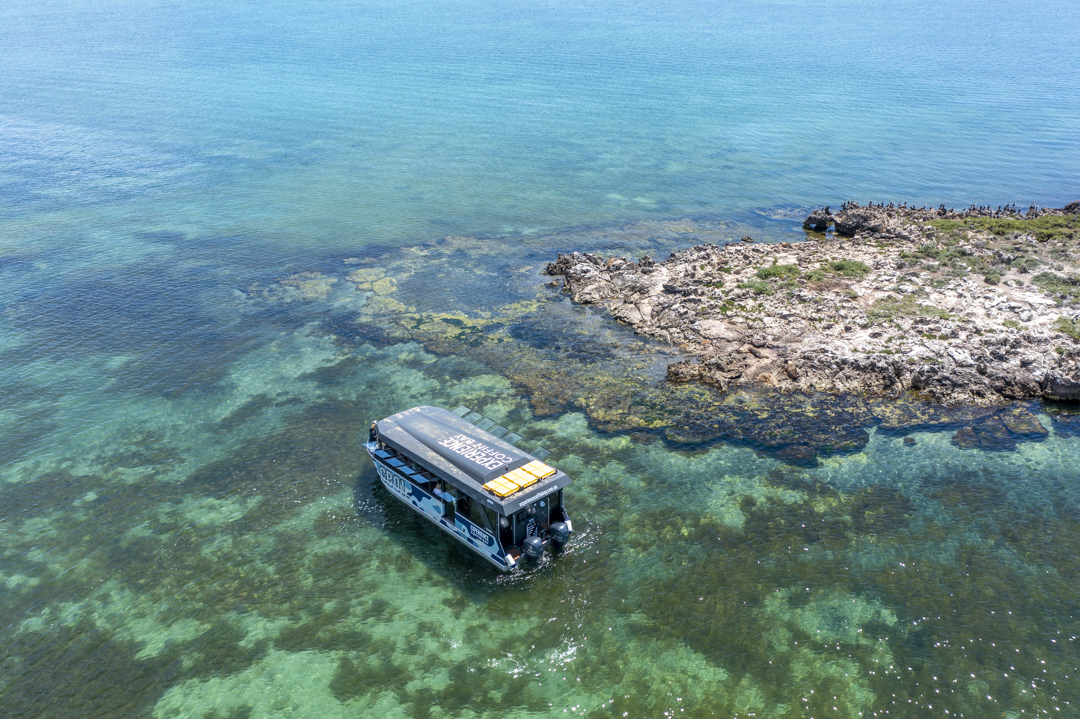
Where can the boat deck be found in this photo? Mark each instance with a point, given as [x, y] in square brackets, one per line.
[477, 463]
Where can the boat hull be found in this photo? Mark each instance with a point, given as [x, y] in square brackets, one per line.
[477, 539]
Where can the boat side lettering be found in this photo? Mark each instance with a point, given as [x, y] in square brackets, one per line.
[545, 493]
[392, 480]
[480, 535]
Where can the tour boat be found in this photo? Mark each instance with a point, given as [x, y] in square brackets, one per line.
[459, 471]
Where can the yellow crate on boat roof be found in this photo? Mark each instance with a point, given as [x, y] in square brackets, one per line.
[538, 469]
[521, 477]
[502, 486]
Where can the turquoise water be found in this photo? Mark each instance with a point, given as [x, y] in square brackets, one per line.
[231, 234]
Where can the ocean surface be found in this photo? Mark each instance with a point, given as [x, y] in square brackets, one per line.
[234, 233]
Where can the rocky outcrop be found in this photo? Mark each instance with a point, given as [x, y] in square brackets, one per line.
[819, 220]
[899, 306]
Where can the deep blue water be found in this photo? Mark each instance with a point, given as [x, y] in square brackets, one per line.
[332, 124]
[233, 233]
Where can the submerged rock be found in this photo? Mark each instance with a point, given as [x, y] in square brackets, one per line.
[907, 413]
[1066, 422]
[798, 454]
[301, 287]
[1021, 422]
[990, 434]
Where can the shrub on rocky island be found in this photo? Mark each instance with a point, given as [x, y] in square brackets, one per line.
[1068, 327]
[849, 268]
[1066, 286]
[758, 287]
[781, 271]
[892, 307]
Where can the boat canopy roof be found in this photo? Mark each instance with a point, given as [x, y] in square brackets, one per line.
[464, 455]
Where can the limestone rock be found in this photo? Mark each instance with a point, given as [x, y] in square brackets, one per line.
[852, 316]
[819, 220]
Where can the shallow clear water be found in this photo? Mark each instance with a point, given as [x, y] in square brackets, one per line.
[231, 234]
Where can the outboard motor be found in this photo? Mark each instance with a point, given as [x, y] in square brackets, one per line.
[533, 548]
[559, 533]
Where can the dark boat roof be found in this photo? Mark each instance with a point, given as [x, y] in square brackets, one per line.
[462, 454]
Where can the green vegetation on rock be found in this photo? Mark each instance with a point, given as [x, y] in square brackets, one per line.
[1049, 227]
[1026, 263]
[1068, 327]
[1066, 285]
[781, 271]
[891, 307]
[758, 287]
[849, 268]
[845, 268]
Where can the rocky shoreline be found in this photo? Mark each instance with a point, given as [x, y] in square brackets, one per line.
[979, 306]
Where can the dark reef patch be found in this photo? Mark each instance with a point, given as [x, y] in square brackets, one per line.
[1001, 431]
[247, 411]
[321, 632]
[35, 424]
[156, 314]
[990, 434]
[335, 374]
[1065, 419]
[15, 263]
[81, 671]
[220, 652]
